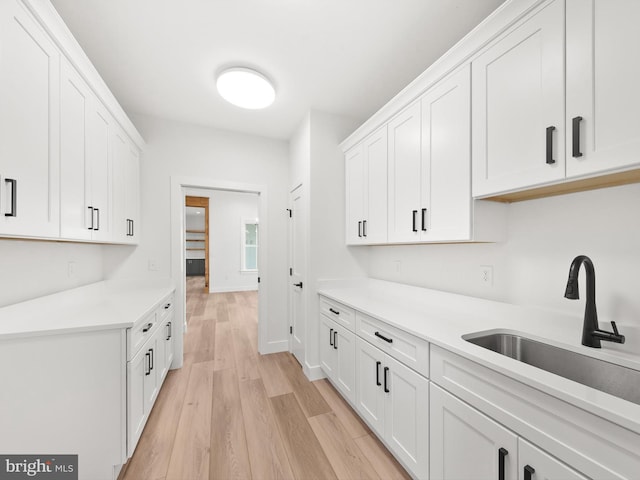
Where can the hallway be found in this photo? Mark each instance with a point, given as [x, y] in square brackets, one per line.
[231, 413]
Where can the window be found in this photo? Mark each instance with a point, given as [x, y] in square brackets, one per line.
[250, 245]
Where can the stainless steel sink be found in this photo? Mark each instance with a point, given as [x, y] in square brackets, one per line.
[607, 377]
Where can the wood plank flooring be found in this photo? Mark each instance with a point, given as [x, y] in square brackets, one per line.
[230, 413]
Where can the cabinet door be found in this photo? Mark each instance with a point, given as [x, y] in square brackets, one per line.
[121, 225]
[151, 376]
[369, 394]
[345, 364]
[404, 175]
[374, 227]
[168, 347]
[602, 85]
[136, 415]
[99, 125]
[518, 94]
[29, 126]
[534, 464]
[465, 444]
[354, 176]
[76, 214]
[446, 159]
[406, 425]
[327, 352]
[132, 192]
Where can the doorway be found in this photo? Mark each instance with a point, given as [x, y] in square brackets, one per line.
[196, 238]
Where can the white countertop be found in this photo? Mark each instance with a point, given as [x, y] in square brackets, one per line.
[99, 306]
[443, 318]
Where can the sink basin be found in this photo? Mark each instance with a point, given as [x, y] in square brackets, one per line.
[607, 377]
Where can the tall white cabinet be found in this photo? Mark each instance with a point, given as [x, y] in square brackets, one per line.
[29, 125]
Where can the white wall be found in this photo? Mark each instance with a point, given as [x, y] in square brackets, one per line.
[317, 161]
[531, 267]
[179, 149]
[32, 269]
[226, 212]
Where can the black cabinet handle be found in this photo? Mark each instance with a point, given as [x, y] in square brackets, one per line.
[299, 284]
[167, 306]
[364, 228]
[128, 227]
[169, 332]
[424, 219]
[91, 210]
[97, 212]
[528, 471]
[378, 373]
[335, 340]
[502, 452]
[147, 363]
[331, 337]
[132, 225]
[575, 121]
[335, 312]
[360, 229]
[151, 365]
[14, 197]
[414, 228]
[386, 339]
[550, 160]
[386, 371]
[147, 328]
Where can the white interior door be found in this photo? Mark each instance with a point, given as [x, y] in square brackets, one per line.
[297, 272]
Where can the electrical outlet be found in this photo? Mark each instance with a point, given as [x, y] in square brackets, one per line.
[486, 275]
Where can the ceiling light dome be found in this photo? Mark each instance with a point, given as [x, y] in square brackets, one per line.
[245, 88]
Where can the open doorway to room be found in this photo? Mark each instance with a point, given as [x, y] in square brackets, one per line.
[220, 245]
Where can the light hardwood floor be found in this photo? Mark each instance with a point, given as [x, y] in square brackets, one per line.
[230, 413]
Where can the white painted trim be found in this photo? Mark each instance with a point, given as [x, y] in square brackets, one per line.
[52, 23]
[500, 20]
[178, 186]
[313, 373]
[233, 289]
[274, 347]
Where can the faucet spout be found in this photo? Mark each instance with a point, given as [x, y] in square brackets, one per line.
[591, 333]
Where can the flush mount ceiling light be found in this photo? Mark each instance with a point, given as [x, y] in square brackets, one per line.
[245, 88]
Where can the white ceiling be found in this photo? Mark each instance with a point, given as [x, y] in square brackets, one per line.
[349, 57]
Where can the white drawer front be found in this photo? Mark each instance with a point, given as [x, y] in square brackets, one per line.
[165, 310]
[338, 312]
[404, 347]
[140, 333]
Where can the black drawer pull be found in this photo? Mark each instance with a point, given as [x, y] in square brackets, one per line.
[335, 312]
[91, 213]
[550, 160]
[169, 332]
[331, 337]
[414, 214]
[386, 387]
[502, 452]
[335, 340]
[167, 306]
[528, 471]
[360, 229]
[424, 219]
[97, 212]
[575, 121]
[147, 363]
[386, 339]
[151, 363]
[378, 373]
[364, 228]
[147, 328]
[14, 196]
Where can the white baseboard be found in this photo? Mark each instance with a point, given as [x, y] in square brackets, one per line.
[232, 289]
[275, 347]
[313, 373]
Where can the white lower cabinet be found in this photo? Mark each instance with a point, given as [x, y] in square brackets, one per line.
[337, 356]
[466, 444]
[394, 400]
[150, 353]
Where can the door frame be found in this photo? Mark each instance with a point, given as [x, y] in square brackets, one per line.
[179, 187]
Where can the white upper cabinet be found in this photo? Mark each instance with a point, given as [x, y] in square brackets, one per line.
[366, 187]
[85, 165]
[446, 160]
[603, 100]
[29, 126]
[126, 187]
[518, 106]
[405, 184]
